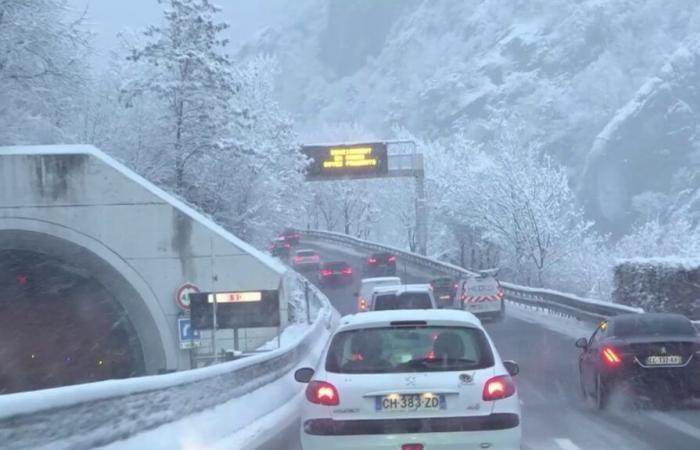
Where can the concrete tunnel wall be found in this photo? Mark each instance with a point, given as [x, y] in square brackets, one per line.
[76, 202]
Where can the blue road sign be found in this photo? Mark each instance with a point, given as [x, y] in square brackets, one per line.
[189, 337]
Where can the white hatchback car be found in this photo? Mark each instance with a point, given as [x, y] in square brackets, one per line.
[394, 380]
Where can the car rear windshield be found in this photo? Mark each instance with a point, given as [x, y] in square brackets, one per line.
[382, 256]
[306, 253]
[409, 349]
[407, 300]
[652, 325]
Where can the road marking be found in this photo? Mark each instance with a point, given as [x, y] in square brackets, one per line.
[566, 444]
[675, 423]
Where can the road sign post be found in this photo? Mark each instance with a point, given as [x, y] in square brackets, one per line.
[373, 160]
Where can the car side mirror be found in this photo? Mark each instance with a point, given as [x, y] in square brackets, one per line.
[512, 367]
[304, 374]
[582, 343]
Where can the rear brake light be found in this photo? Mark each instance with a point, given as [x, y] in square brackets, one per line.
[326, 273]
[298, 258]
[347, 271]
[610, 356]
[412, 447]
[372, 260]
[322, 393]
[362, 304]
[500, 294]
[286, 246]
[498, 388]
[315, 258]
[393, 259]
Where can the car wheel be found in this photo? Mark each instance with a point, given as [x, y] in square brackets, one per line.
[601, 393]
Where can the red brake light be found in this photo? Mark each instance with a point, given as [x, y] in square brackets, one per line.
[298, 258]
[326, 273]
[610, 356]
[347, 271]
[412, 447]
[372, 260]
[498, 388]
[315, 258]
[322, 393]
[362, 304]
[500, 294]
[393, 259]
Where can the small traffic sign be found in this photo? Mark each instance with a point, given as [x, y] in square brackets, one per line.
[189, 337]
[182, 299]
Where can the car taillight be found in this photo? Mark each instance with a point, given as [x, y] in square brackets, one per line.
[498, 388]
[610, 356]
[326, 273]
[287, 245]
[393, 259]
[298, 258]
[347, 271]
[500, 294]
[412, 447]
[372, 260]
[315, 258]
[297, 236]
[322, 393]
[362, 305]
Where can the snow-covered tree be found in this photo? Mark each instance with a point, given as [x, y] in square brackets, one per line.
[43, 49]
[184, 65]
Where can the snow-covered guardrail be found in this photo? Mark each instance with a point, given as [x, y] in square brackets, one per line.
[559, 302]
[95, 414]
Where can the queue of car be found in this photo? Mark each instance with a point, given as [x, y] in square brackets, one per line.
[401, 373]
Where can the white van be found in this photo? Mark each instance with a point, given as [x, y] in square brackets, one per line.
[367, 287]
[482, 296]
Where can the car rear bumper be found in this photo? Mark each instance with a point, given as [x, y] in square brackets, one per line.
[659, 381]
[505, 438]
[307, 265]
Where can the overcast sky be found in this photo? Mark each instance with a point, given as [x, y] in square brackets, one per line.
[109, 17]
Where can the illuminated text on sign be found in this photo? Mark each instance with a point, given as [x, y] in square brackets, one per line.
[350, 157]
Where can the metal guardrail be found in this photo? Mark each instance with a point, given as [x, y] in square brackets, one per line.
[97, 414]
[561, 303]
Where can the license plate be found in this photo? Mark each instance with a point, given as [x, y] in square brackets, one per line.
[664, 360]
[479, 307]
[410, 402]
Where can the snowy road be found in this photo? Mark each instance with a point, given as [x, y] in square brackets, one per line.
[554, 416]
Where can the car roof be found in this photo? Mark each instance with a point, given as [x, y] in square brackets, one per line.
[432, 316]
[401, 288]
[379, 279]
[306, 250]
[646, 315]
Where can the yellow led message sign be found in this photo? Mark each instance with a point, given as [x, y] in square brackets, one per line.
[362, 160]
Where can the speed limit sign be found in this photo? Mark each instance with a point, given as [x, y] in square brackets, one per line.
[182, 299]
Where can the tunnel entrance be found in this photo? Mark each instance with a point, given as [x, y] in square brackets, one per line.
[59, 325]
